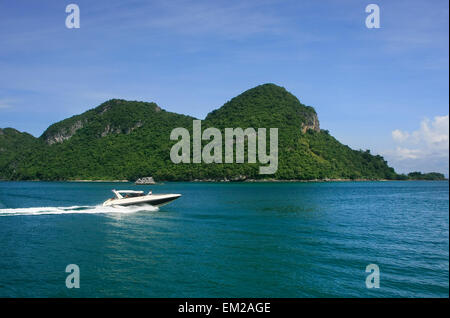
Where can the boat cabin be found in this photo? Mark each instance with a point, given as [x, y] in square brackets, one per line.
[124, 194]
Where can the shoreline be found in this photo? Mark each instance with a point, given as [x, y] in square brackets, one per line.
[92, 181]
[227, 181]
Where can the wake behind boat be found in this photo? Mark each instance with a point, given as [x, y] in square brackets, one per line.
[130, 197]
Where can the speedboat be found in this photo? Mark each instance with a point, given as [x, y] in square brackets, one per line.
[130, 197]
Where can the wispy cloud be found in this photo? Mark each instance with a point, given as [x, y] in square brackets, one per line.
[221, 18]
[6, 103]
[417, 26]
[426, 148]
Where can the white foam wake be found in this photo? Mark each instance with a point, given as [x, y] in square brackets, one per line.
[76, 209]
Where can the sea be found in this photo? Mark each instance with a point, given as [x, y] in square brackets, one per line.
[281, 239]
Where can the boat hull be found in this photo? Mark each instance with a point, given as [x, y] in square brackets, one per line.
[156, 200]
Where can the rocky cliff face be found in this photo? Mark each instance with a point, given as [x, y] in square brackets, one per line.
[115, 116]
[312, 122]
[64, 133]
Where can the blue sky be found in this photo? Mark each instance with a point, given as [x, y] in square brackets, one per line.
[381, 89]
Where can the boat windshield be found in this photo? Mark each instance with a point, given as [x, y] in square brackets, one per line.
[132, 195]
[121, 194]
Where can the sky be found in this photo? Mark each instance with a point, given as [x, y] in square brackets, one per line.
[383, 89]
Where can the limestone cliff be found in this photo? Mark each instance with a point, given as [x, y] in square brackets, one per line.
[115, 116]
[311, 122]
[64, 133]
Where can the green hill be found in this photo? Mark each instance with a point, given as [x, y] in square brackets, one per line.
[117, 140]
[305, 151]
[14, 146]
[127, 139]
[416, 175]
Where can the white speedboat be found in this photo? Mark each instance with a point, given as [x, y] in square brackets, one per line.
[130, 197]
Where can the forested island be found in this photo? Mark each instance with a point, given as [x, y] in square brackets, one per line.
[431, 176]
[127, 140]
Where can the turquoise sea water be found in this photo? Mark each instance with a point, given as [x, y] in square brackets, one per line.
[227, 240]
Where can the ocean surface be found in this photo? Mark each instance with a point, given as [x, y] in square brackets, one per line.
[226, 240]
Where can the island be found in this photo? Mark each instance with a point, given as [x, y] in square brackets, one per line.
[129, 140]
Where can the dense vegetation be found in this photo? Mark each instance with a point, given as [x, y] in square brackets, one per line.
[14, 147]
[422, 176]
[127, 139]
